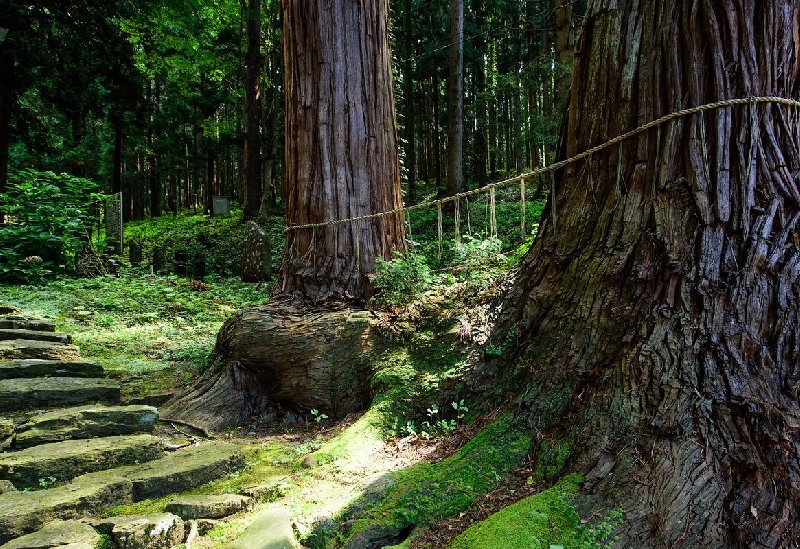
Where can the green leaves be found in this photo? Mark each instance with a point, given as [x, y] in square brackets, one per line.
[48, 217]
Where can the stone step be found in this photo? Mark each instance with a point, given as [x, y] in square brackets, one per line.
[26, 512]
[183, 470]
[19, 394]
[63, 461]
[80, 422]
[33, 335]
[48, 350]
[91, 494]
[157, 531]
[208, 506]
[36, 367]
[71, 534]
[22, 323]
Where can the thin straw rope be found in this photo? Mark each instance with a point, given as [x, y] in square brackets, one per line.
[458, 220]
[492, 214]
[560, 164]
[439, 229]
[522, 208]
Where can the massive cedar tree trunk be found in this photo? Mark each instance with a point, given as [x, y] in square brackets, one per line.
[656, 316]
[341, 152]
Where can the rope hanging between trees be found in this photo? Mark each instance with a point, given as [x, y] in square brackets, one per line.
[457, 216]
[560, 164]
[439, 229]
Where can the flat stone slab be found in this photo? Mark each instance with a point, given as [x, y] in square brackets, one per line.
[71, 458]
[87, 421]
[7, 334]
[25, 512]
[36, 367]
[22, 323]
[213, 507]
[272, 529]
[18, 394]
[183, 470]
[49, 350]
[68, 534]
[93, 493]
[159, 531]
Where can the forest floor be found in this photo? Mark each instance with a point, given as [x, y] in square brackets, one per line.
[155, 334]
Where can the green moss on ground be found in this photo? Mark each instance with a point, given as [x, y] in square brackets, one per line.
[537, 521]
[427, 492]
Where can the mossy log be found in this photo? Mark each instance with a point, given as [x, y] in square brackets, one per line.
[284, 356]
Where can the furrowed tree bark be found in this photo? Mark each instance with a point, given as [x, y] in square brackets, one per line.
[341, 147]
[656, 316]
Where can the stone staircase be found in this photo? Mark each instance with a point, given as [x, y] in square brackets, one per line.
[71, 450]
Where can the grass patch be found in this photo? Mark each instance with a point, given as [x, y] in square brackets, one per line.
[427, 492]
[137, 323]
[532, 523]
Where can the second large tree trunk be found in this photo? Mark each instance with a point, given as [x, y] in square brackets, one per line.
[341, 150]
[657, 314]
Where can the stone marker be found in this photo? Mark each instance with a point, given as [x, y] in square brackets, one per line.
[135, 252]
[195, 507]
[256, 262]
[272, 529]
[71, 534]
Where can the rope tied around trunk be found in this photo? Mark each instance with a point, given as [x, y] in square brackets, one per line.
[753, 101]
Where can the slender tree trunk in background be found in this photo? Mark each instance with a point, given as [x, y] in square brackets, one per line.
[480, 162]
[211, 189]
[408, 86]
[455, 101]
[563, 50]
[436, 149]
[341, 147]
[6, 104]
[252, 122]
[656, 316]
[116, 170]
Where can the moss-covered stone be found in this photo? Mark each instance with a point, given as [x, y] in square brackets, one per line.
[539, 521]
[25, 512]
[157, 531]
[36, 367]
[71, 534]
[48, 350]
[66, 460]
[183, 470]
[7, 334]
[82, 422]
[208, 506]
[19, 394]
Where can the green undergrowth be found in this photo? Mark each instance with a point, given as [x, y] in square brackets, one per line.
[215, 240]
[137, 324]
[426, 492]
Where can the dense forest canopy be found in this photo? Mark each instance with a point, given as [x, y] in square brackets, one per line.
[149, 97]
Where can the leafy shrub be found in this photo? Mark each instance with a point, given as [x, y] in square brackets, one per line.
[401, 280]
[48, 217]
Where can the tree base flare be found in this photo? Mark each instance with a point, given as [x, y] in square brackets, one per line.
[280, 358]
